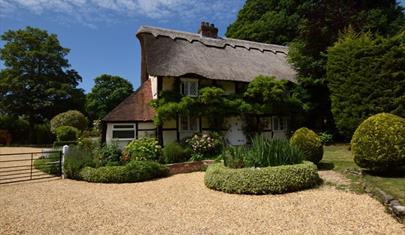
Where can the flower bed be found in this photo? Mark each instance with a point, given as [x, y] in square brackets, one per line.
[267, 180]
[187, 167]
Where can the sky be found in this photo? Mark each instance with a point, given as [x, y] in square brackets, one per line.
[101, 33]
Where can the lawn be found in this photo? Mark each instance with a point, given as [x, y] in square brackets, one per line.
[339, 158]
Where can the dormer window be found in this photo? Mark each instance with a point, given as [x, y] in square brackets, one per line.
[189, 87]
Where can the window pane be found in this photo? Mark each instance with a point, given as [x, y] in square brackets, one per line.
[193, 88]
[275, 124]
[183, 123]
[281, 124]
[193, 123]
[123, 126]
[123, 134]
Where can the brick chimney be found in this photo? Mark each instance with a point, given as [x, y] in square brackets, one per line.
[208, 30]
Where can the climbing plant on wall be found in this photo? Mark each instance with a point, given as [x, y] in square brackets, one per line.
[263, 96]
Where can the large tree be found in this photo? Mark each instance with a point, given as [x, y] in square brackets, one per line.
[106, 94]
[269, 21]
[36, 82]
[310, 27]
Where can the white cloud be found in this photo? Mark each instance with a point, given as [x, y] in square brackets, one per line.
[90, 12]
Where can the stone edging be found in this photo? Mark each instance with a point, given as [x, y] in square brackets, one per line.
[392, 204]
[186, 167]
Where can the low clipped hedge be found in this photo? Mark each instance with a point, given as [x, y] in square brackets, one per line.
[379, 142]
[134, 171]
[268, 180]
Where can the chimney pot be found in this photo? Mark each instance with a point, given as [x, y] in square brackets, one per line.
[208, 30]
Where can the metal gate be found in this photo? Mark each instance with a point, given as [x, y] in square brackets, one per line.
[18, 167]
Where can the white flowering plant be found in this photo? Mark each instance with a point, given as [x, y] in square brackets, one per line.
[205, 145]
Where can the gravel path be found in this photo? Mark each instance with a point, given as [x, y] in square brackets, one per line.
[334, 177]
[181, 204]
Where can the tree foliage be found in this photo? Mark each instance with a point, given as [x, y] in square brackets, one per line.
[36, 82]
[269, 21]
[309, 27]
[106, 94]
[366, 76]
[266, 95]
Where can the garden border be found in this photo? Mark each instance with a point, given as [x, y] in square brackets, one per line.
[187, 167]
[393, 205]
[267, 180]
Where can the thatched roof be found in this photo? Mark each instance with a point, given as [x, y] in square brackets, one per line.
[173, 53]
[135, 107]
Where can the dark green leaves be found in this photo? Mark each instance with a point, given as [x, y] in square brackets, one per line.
[106, 94]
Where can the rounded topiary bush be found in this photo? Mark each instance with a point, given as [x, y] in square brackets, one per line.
[379, 142]
[309, 143]
[267, 180]
[134, 171]
[70, 118]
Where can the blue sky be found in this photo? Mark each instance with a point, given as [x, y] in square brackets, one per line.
[101, 33]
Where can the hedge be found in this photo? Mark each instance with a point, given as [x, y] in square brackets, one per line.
[134, 171]
[58, 144]
[268, 180]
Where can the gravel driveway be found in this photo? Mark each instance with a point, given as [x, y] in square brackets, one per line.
[182, 204]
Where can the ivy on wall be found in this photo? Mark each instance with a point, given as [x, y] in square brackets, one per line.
[264, 96]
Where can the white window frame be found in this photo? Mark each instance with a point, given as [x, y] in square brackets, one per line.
[116, 128]
[185, 82]
[188, 124]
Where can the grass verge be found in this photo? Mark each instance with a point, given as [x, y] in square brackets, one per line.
[339, 158]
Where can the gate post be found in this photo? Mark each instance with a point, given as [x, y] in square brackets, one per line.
[65, 149]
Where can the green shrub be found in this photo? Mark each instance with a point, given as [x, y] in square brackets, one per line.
[234, 156]
[108, 153]
[76, 159]
[379, 142]
[143, 149]
[90, 144]
[268, 180]
[326, 138]
[49, 164]
[173, 153]
[309, 143]
[134, 171]
[67, 133]
[72, 118]
[58, 144]
[264, 152]
[205, 145]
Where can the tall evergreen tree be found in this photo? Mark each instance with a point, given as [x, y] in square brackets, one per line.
[366, 76]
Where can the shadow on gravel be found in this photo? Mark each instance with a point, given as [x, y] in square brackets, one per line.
[325, 166]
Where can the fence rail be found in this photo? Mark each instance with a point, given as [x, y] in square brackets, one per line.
[18, 167]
